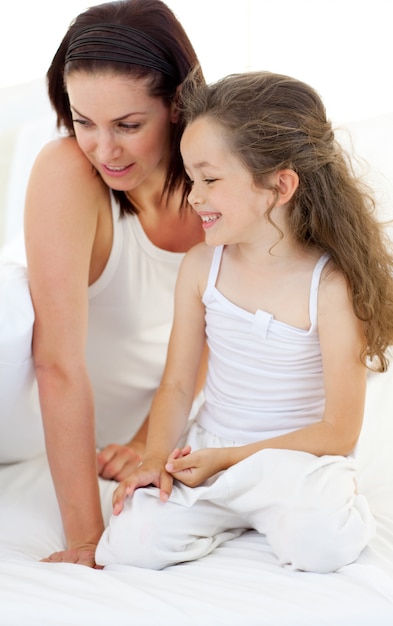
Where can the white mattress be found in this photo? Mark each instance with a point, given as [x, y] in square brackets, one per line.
[239, 583]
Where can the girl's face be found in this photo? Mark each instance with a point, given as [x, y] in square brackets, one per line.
[122, 130]
[223, 193]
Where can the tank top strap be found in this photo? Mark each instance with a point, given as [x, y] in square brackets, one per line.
[315, 280]
[116, 250]
[213, 273]
[116, 218]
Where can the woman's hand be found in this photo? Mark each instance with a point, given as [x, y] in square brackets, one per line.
[84, 555]
[117, 462]
[149, 472]
[193, 468]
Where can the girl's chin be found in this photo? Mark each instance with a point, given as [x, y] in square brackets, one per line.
[213, 241]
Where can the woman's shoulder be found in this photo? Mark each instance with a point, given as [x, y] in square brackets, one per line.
[64, 185]
[61, 161]
[61, 146]
[64, 157]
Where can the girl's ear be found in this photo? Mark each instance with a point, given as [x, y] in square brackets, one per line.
[286, 183]
[174, 110]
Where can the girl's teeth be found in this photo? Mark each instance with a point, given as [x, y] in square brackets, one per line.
[209, 218]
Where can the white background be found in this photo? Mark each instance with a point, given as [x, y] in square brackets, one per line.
[343, 48]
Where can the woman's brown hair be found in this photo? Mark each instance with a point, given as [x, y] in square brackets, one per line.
[154, 19]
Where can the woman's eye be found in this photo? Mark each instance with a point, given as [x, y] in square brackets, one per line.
[80, 121]
[127, 127]
[208, 181]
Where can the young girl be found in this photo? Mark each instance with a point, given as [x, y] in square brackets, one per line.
[293, 288]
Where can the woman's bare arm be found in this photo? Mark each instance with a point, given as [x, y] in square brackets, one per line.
[63, 201]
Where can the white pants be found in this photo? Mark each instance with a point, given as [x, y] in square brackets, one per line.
[306, 506]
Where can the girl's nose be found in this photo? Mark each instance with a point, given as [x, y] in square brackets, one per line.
[194, 197]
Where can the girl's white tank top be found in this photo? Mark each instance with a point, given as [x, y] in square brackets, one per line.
[265, 377]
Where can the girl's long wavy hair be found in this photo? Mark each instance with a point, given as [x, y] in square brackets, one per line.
[156, 20]
[274, 122]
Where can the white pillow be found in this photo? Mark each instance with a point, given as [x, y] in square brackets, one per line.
[27, 121]
[29, 140]
[21, 431]
[374, 452]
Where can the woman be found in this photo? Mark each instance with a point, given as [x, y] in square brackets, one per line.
[106, 226]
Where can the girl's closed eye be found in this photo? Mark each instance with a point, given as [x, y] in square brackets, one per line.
[209, 181]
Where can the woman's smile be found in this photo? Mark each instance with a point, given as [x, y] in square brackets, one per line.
[117, 171]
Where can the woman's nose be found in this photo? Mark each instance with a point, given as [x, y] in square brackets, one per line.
[107, 147]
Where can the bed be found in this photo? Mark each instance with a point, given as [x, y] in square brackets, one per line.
[241, 581]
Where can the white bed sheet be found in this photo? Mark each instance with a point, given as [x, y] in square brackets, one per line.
[239, 583]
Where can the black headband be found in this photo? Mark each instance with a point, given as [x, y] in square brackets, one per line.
[121, 44]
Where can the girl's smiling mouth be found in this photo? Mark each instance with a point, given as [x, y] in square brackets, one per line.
[208, 219]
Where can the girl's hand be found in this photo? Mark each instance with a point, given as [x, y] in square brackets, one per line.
[117, 462]
[179, 453]
[148, 472]
[193, 468]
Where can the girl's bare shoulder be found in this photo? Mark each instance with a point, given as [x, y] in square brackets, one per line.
[199, 256]
[201, 252]
[196, 265]
[334, 292]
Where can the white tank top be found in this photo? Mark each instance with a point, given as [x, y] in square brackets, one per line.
[265, 377]
[130, 318]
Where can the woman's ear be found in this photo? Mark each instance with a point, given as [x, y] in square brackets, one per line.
[286, 183]
[174, 110]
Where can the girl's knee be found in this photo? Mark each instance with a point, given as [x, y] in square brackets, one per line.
[144, 535]
[321, 542]
[152, 534]
[129, 538]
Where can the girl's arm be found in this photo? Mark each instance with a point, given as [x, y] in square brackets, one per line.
[63, 206]
[341, 338]
[173, 400]
[117, 462]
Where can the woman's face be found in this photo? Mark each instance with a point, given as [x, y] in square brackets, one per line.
[122, 130]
